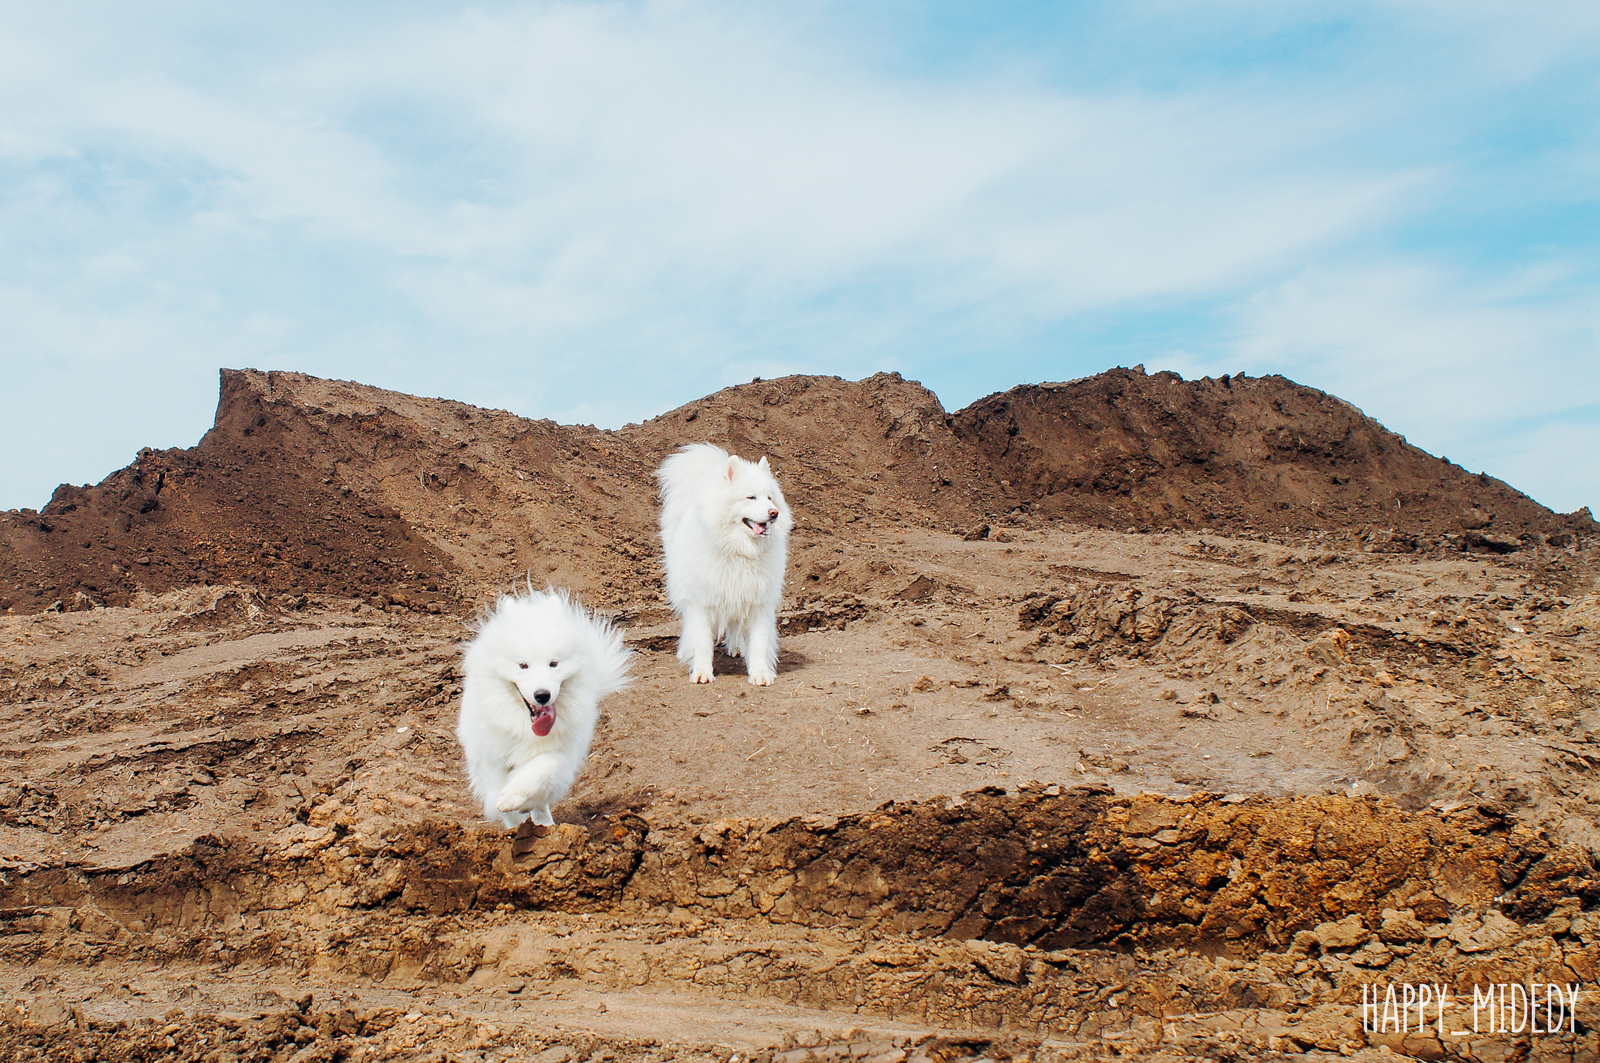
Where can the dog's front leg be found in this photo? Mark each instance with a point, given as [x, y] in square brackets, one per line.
[533, 788]
[696, 643]
[761, 658]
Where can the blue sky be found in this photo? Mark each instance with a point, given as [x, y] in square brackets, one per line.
[594, 212]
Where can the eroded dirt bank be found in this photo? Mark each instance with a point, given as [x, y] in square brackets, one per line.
[1056, 921]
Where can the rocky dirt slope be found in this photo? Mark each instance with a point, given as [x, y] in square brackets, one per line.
[315, 486]
[1239, 454]
[1027, 787]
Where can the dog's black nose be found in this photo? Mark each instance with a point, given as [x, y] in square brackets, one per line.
[772, 514]
[542, 696]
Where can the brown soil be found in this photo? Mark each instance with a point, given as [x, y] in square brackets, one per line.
[327, 487]
[1236, 454]
[1219, 774]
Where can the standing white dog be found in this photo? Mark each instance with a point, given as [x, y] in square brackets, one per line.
[535, 675]
[725, 534]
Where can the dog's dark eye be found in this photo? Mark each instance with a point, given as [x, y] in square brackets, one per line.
[554, 663]
[751, 497]
[522, 666]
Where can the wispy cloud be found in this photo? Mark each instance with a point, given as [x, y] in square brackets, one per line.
[601, 210]
[1467, 369]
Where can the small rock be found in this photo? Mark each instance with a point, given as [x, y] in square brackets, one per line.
[1373, 954]
[1401, 927]
[1330, 646]
[1496, 932]
[919, 590]
[1495, 544]
[1303, 940]
[1149, 818]
[1347, 933]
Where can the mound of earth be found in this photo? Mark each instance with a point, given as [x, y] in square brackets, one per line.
[1236, 454]
[1028, 786]
[315, 486]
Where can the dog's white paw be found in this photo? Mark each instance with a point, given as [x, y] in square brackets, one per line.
[700, 677]
[513, 801]
[541, 817]
[761, 680]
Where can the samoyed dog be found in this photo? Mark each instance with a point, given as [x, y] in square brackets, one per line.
[725, 534]
[535, 674]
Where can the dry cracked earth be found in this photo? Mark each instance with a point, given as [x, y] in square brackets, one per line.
[1135, 748]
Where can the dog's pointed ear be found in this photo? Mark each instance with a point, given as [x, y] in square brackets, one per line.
[762, 464]
[728, 472]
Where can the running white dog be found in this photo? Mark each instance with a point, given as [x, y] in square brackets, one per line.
[725, 534]
[535, 675]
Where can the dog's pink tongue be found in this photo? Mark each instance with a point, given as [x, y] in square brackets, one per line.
[544, 718]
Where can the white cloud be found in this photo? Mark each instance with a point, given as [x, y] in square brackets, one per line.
[633, 145]
[83, 393]
[528, 205]
[1554, 464]
[1464, 369]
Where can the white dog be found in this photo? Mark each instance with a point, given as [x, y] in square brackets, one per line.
[725, 534]
[535, 675]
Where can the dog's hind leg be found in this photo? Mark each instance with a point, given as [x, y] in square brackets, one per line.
[761, 656]
[537, 785]
[696, 643]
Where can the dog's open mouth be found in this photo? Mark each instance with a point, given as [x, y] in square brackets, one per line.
[544, 717]
[757, 528]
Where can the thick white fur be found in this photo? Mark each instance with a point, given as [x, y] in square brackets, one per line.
[515, 773]
[724, 581]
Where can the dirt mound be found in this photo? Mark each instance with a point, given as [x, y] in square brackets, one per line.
[246, 505]
[874, 452]
[1126, 449]
[310, 486]
[314, 486]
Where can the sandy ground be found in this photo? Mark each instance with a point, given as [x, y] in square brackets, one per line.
[296, 736]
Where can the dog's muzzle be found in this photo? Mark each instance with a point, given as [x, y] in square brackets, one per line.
[543, 713]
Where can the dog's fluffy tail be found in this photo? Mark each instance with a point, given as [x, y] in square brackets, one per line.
[689, 466]
[607, 658]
